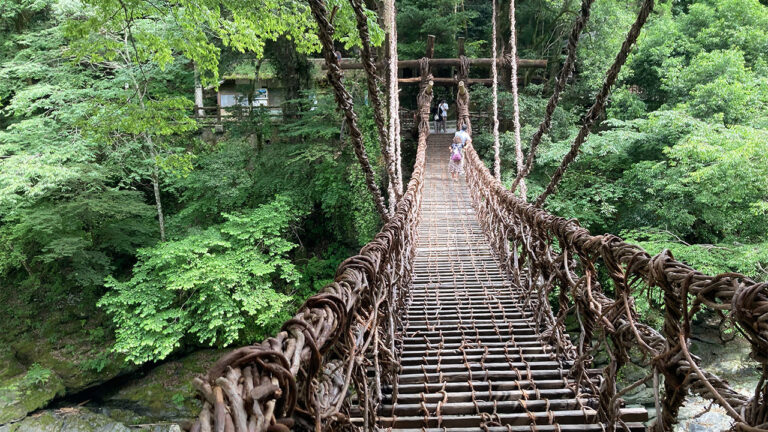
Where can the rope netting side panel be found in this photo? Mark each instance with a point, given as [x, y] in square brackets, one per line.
[554, 256]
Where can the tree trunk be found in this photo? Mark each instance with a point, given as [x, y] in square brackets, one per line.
[198, 93]
[156, 188]
[24, 262]
[155, 177]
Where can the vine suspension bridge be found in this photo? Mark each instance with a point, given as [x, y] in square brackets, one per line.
[444, 321]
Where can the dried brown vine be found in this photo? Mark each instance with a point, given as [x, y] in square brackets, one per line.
[344, 101]
[565, 72]
[373, 81]
[602, 96]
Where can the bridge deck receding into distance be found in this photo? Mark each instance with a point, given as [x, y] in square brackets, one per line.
[470, 357]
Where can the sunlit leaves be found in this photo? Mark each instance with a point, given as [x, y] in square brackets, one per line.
[211, 287]
[711, 259]
[197, 29]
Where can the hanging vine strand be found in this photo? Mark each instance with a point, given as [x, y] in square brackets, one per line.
[394, 92]
[515, 101]
[344, 100]
[565, 72]
[495, 96]
[374, 93]
[597, 108]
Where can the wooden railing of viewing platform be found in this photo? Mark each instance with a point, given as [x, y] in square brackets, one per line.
[214, 115]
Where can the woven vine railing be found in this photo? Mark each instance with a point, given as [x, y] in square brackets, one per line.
[548, 255]
[301, 378]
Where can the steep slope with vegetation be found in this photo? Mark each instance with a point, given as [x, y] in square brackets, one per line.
[125, 237]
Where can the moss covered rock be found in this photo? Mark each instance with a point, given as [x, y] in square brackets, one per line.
[56, 358]
[164, 393]
[27, 391]
[69, 420]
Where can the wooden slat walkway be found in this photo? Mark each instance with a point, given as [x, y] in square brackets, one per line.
[471, 359]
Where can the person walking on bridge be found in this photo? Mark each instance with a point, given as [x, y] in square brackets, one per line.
[463, 135]
[456, 164]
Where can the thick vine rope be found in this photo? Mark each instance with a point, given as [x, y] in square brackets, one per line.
[565, 72]
[495, 96]
[597, 108]
[374, 93]
[344, 100]
[394, 93]
[515, 102]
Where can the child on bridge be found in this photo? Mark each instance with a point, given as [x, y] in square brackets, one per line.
[456, 164]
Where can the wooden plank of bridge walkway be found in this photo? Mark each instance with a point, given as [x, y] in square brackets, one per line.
[471, 359]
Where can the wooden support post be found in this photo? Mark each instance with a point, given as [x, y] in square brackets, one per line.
[430, 47]
[462, 108]
[506, 72]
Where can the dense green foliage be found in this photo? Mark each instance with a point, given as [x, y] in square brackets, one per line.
[680, 159]
[96, 143]
[114, 200]
[212, 285]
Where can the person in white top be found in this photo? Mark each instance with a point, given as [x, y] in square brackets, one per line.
[443, 107]
[463, 135]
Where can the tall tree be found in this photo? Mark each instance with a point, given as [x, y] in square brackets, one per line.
[67, 214]
[141, 115]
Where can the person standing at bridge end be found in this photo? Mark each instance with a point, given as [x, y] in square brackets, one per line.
[443, 111]
[456, 164]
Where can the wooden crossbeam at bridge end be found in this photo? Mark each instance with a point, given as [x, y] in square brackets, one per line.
[404, 64]
[451, 81]
[454, 61]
